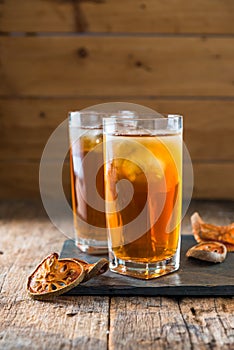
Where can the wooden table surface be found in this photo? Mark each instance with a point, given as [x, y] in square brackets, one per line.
[26, 236]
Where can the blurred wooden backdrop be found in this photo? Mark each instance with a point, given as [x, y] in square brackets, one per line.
[176, 56]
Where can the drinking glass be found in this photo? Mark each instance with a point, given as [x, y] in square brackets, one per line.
[87, 181]
[87, 178]
[143, 191]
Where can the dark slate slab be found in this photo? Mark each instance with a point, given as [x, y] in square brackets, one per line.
[194, 278]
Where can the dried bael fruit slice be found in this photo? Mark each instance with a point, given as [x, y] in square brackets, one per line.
[209, 251]
[207, 232]
[92, 270]
[53, 277]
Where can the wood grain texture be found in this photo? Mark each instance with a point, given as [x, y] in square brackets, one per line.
[66, 323]
[161, 323]
[37, 15]
[26, 124]
[151, 16]
[21, 180]
[119, 66]
[213, 180]
[177, 51]
[70, 323]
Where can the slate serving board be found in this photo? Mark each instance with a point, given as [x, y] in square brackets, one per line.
[194, 278]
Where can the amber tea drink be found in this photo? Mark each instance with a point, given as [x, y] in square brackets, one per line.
[143, 180]
[87, 181]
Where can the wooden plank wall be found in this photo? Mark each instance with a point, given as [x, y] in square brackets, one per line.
[173, 56]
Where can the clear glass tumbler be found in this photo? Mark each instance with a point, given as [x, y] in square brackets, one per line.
[87, 181]
[143, 189]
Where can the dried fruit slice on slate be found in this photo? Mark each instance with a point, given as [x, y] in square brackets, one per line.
[209, 251]
[92, 270]
[54, 276]
[207, 232]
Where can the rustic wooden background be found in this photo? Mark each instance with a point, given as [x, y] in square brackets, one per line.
[173, 56]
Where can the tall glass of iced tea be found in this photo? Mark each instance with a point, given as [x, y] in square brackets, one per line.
[143, 189]
[87, 181]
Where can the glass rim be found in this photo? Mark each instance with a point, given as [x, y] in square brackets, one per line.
[153, 117]
[157, 125]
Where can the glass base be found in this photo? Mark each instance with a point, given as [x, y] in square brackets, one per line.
[143, 270]
[91, 246]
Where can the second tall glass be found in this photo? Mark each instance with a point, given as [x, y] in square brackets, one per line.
[87, 178]
[87, 181]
